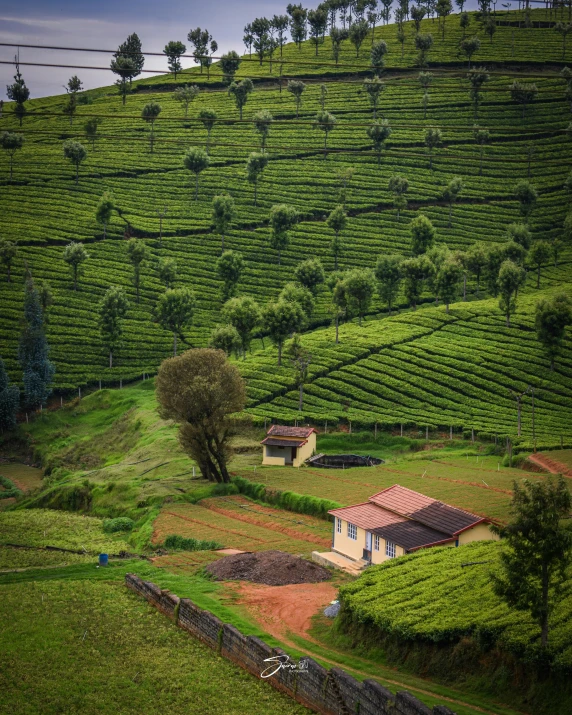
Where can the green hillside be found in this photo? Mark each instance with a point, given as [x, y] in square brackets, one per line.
[423, 368]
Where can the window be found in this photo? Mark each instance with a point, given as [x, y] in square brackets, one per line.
[390, 549]
[352, 531]
[376, 543]
[338, 525]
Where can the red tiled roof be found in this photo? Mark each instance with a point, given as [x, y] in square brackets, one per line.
[367, 516]
[273, 442]
[285, 431]
[425, 510]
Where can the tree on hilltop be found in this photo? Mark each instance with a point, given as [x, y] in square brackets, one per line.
[537, 551]
[337, 36]
[357, 33]
[423, 44]
[19, 93]
[318, 22]
[298, 18]
[72, 88]
[174, 50]
[229, 65]
[213, 392]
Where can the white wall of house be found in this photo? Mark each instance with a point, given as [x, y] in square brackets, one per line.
[480, 532]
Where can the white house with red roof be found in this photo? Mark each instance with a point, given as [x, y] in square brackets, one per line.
[290, 446]
[398, 521]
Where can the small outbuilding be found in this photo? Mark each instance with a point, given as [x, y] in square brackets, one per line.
[288, 446]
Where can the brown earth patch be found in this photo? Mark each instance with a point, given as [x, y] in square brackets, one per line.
[274, 568]
[551, 465]
[282, 609]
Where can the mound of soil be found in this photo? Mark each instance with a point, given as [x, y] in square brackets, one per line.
[274, 568]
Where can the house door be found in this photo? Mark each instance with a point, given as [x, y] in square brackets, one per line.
[367, 550]
[294, 453]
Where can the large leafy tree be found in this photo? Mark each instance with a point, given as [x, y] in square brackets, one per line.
[167, 271]
[433, 139]
[523, 93]
[255, 165]
[470, 45]
[174, 311]
[537, 550]
[200, 40]
[9, 400]
[298, 19]
[337, 36]
[398, 185]
[477, 78]
[423, 44]
[112, 311]
[325, 121]
[229, 65]
[415, 272]
[136, 253]
[261, 39]
[297, 293]
[378, 52]
[447, 281]
[318, 22]
[300, 359]
[282, 220]
[132, 48]
[280, 320]
[75, 255]
[374, 88]
[223, 215]
[451, 194]
[280, 25]
[476, 261]
[551, 320]
[388, 275]
[262, 121]
[229, 268]
[358, 32]
[196, 160]
[201, 391]
[11, 143]
[226, 338]
[244, 315]
[33, 351]
[539, 254]
[104, 211]
[527, 196]
[208, 119]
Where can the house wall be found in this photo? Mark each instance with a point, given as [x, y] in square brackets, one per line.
[349, 547]
[306, 450]
[276, 455]
[481, 532]
[273, 461]
[378, 557]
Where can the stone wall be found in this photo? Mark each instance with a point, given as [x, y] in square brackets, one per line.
[331, 692]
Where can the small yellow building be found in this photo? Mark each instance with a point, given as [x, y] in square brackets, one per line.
[290, 446]
[399, 521]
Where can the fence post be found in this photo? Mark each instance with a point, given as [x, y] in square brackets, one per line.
[79, 392]
[61, 400]
[100, 383]
[375, 431]
[350, 426]
[120, 383]
[473, 435]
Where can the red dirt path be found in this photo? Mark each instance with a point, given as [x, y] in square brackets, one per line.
[551, 465]
[280, 609]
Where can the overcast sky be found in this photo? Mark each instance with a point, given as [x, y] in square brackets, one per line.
[105, 24]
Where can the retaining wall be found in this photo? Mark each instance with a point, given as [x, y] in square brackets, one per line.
[330, 692]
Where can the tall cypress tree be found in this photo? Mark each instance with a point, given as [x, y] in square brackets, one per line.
[33, 351]
[9, 400]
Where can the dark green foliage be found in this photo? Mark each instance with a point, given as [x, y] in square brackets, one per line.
[226, 338]
[223, 215]
[75, 152]
[33, 351]
[244, 315]
[552, 318]
[388, 276]
[423, 235]
[8, 251]
[10, 489]
[255, 165]
[240, 91]
[18, 93]
[282, 219]
[229, 64]
[174, 50]
[174, 311]
[136, 253]
[538, 550]
[74, 255]
[112, 310]
[229, 268]
[280, 320]
[121, 523]
[302, 504]
[310, 274]
[11, 143]
[360, 286]
[174, 541]
[379, 133]
[196, 160]
[510, 278]
[294, 293]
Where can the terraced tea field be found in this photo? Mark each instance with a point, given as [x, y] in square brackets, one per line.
[426, 368]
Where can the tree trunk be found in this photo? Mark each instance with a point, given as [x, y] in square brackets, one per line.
[104, 230]
[75, 277]
[255, 191]
[76, 174]
[538, 277]
[337, 329]
[279, 353]
[197, 187]
[110, 358]
[174, 344]
[508, 318]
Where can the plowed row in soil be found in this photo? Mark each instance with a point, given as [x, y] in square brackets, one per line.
[274, 568]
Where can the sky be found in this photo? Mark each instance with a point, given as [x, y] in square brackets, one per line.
[105, 24]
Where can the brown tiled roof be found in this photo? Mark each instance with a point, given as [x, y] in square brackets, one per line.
[285, 431]
[430, 512]
[273, 442]
[367, 516]
[412, 535]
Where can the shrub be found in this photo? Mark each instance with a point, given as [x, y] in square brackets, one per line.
[299, 503]
[121, 523]
[174, 541]
[10, 489]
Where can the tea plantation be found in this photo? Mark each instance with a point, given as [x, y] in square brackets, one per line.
[430, 368]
